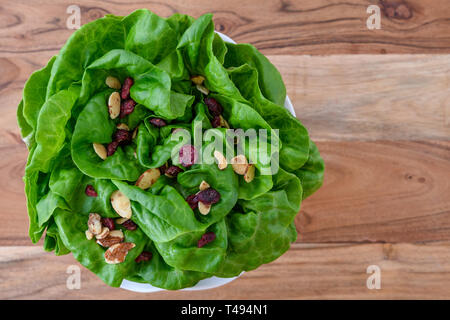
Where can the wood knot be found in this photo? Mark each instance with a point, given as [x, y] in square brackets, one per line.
[397, 10]
[304, 219]
[93, 13]
[226, 22]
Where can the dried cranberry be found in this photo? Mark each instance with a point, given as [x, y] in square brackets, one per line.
[125, 94]
[112, 147]
[215, 122]
[214, 106]
[129, 225]
[157, 122]
[144, 256]
[173, 171]
[90, 191]
[122, 135]
[188, 155]
[109, 223]
[163, 169]
[206, 238]
[127, 107]
[192, 201]
[208, 196]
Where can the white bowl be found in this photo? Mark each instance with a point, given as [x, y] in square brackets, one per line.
[208, 283]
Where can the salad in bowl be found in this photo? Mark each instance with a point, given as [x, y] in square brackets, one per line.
[160, 154]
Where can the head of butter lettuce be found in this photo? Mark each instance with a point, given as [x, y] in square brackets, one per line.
[64, 111]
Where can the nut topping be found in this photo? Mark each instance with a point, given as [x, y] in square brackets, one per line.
[118, 252]
[121, 220]
[204, 185]
[204, 208]
[89, 235]
[100, 150]
[114, 237]
[113, 82]
[121, 204]
[94, 223]
[202, 89]
[198, 79]
[250, 174]
[123, 126]
[114, 105]
[239, 164]
[148, 178]
[103, 234]
[221, 161]
[223, 122]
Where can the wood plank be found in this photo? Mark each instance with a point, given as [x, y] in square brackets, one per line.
[369, 97]
[363, 97]
[408, 271]
[296, 27]
[388, 191]
[373, 191]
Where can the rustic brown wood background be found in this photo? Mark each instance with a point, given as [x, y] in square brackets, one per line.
[377, 102]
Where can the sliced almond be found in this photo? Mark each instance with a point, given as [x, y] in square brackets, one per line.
[202, 89]
[114, 237]
[123, 126]
[89, 235]
[198, 79]
[116, 233]
[223, 122]
[100, 150]
[121, 204]
[221, 160]
[203, 208]
[121, 220]
[239, 164]
[113, 82]
[114, 105]
[204, 185]
[250, 174]
[94, 223]
[134, 134]
[118, 252]
[103, 234]
[148, 178]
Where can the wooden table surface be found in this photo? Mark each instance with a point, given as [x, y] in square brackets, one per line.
[376, 101]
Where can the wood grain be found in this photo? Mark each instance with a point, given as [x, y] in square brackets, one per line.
[388, 190]
[408, 271]
[385, 191]
[296, 27]
[381, 191]
[382, 122]
[368, 97]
